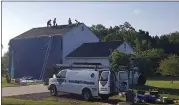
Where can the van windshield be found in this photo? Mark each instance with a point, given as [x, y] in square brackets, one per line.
[104, 76]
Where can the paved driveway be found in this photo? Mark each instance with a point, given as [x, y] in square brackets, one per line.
[10, 91]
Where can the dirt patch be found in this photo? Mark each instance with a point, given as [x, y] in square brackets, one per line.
[60, 97]
[46, 95]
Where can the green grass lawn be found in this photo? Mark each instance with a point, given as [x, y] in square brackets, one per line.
[170, 89]
[12, 84]
[11, 101]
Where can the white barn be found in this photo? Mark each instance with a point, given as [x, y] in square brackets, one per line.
[97, 52]
[75, 37]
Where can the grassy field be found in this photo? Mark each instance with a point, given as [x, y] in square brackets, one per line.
[165, 86]
[168, 89]
[12, 84]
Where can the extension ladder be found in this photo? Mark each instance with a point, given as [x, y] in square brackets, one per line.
[46, 58]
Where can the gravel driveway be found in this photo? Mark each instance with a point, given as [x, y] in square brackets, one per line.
[40, 92]
[21, 90]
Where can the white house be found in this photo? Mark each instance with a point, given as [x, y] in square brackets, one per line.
[97, 52]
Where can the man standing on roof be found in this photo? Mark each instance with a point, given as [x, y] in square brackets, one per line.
[54, 22]
[69, 21]
[49, 23]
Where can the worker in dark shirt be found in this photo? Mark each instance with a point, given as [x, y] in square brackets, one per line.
[49, 23]
[69, 21]
[54, 22]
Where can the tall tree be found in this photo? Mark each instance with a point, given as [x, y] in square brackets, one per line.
[169, 66]
[4, 64]
[119, 59]
[149, 60]
[99, 30]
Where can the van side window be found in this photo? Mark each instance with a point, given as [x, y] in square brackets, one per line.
[104, 76]
[61, 74]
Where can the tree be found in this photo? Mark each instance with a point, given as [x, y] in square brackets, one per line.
[119, 59]
[4, 64]
[99, 30]
[149, 60]
[169, 66]
[5, 61]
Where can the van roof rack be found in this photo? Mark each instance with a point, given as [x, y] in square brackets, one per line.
[82, 66]
[77, 63]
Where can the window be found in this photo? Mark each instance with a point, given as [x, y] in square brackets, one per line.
[125, 47]
[82, 28]
[62, 74]
[104, 76]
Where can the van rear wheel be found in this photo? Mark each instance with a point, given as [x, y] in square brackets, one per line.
[53, 90]
[87, 94]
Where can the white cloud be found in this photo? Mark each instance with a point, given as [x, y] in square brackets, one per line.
[136, 11]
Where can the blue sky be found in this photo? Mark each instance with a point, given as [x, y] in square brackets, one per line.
[156, 17]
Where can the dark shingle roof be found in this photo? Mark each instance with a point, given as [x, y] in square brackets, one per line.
[46, 31]
[98, 49]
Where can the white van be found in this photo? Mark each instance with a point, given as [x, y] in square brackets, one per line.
[89, 83]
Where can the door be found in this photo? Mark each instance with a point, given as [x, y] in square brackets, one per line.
[61, 78]
[104, 82]
[123, 81]
[113, 79]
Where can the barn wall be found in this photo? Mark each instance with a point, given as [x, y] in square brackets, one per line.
[29, 53]
[103, 61]
[76, 37]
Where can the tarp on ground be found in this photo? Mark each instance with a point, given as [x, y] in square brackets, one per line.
[26, 56]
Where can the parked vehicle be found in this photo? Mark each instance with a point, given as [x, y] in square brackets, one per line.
[89, 83]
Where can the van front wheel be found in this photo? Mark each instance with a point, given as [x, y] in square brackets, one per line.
[87, 94]
[53, 90]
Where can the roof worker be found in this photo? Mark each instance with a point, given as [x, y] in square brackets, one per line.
[69, 21]
[54, 22]
[49, 23]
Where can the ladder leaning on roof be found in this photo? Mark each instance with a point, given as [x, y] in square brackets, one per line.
[46, 58]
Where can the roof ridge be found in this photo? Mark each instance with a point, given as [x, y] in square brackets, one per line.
[94, 49]
[57, 26]
[105, 42]
[39, 31]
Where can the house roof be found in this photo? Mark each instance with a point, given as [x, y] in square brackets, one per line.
[97, 49]
[46, 31]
